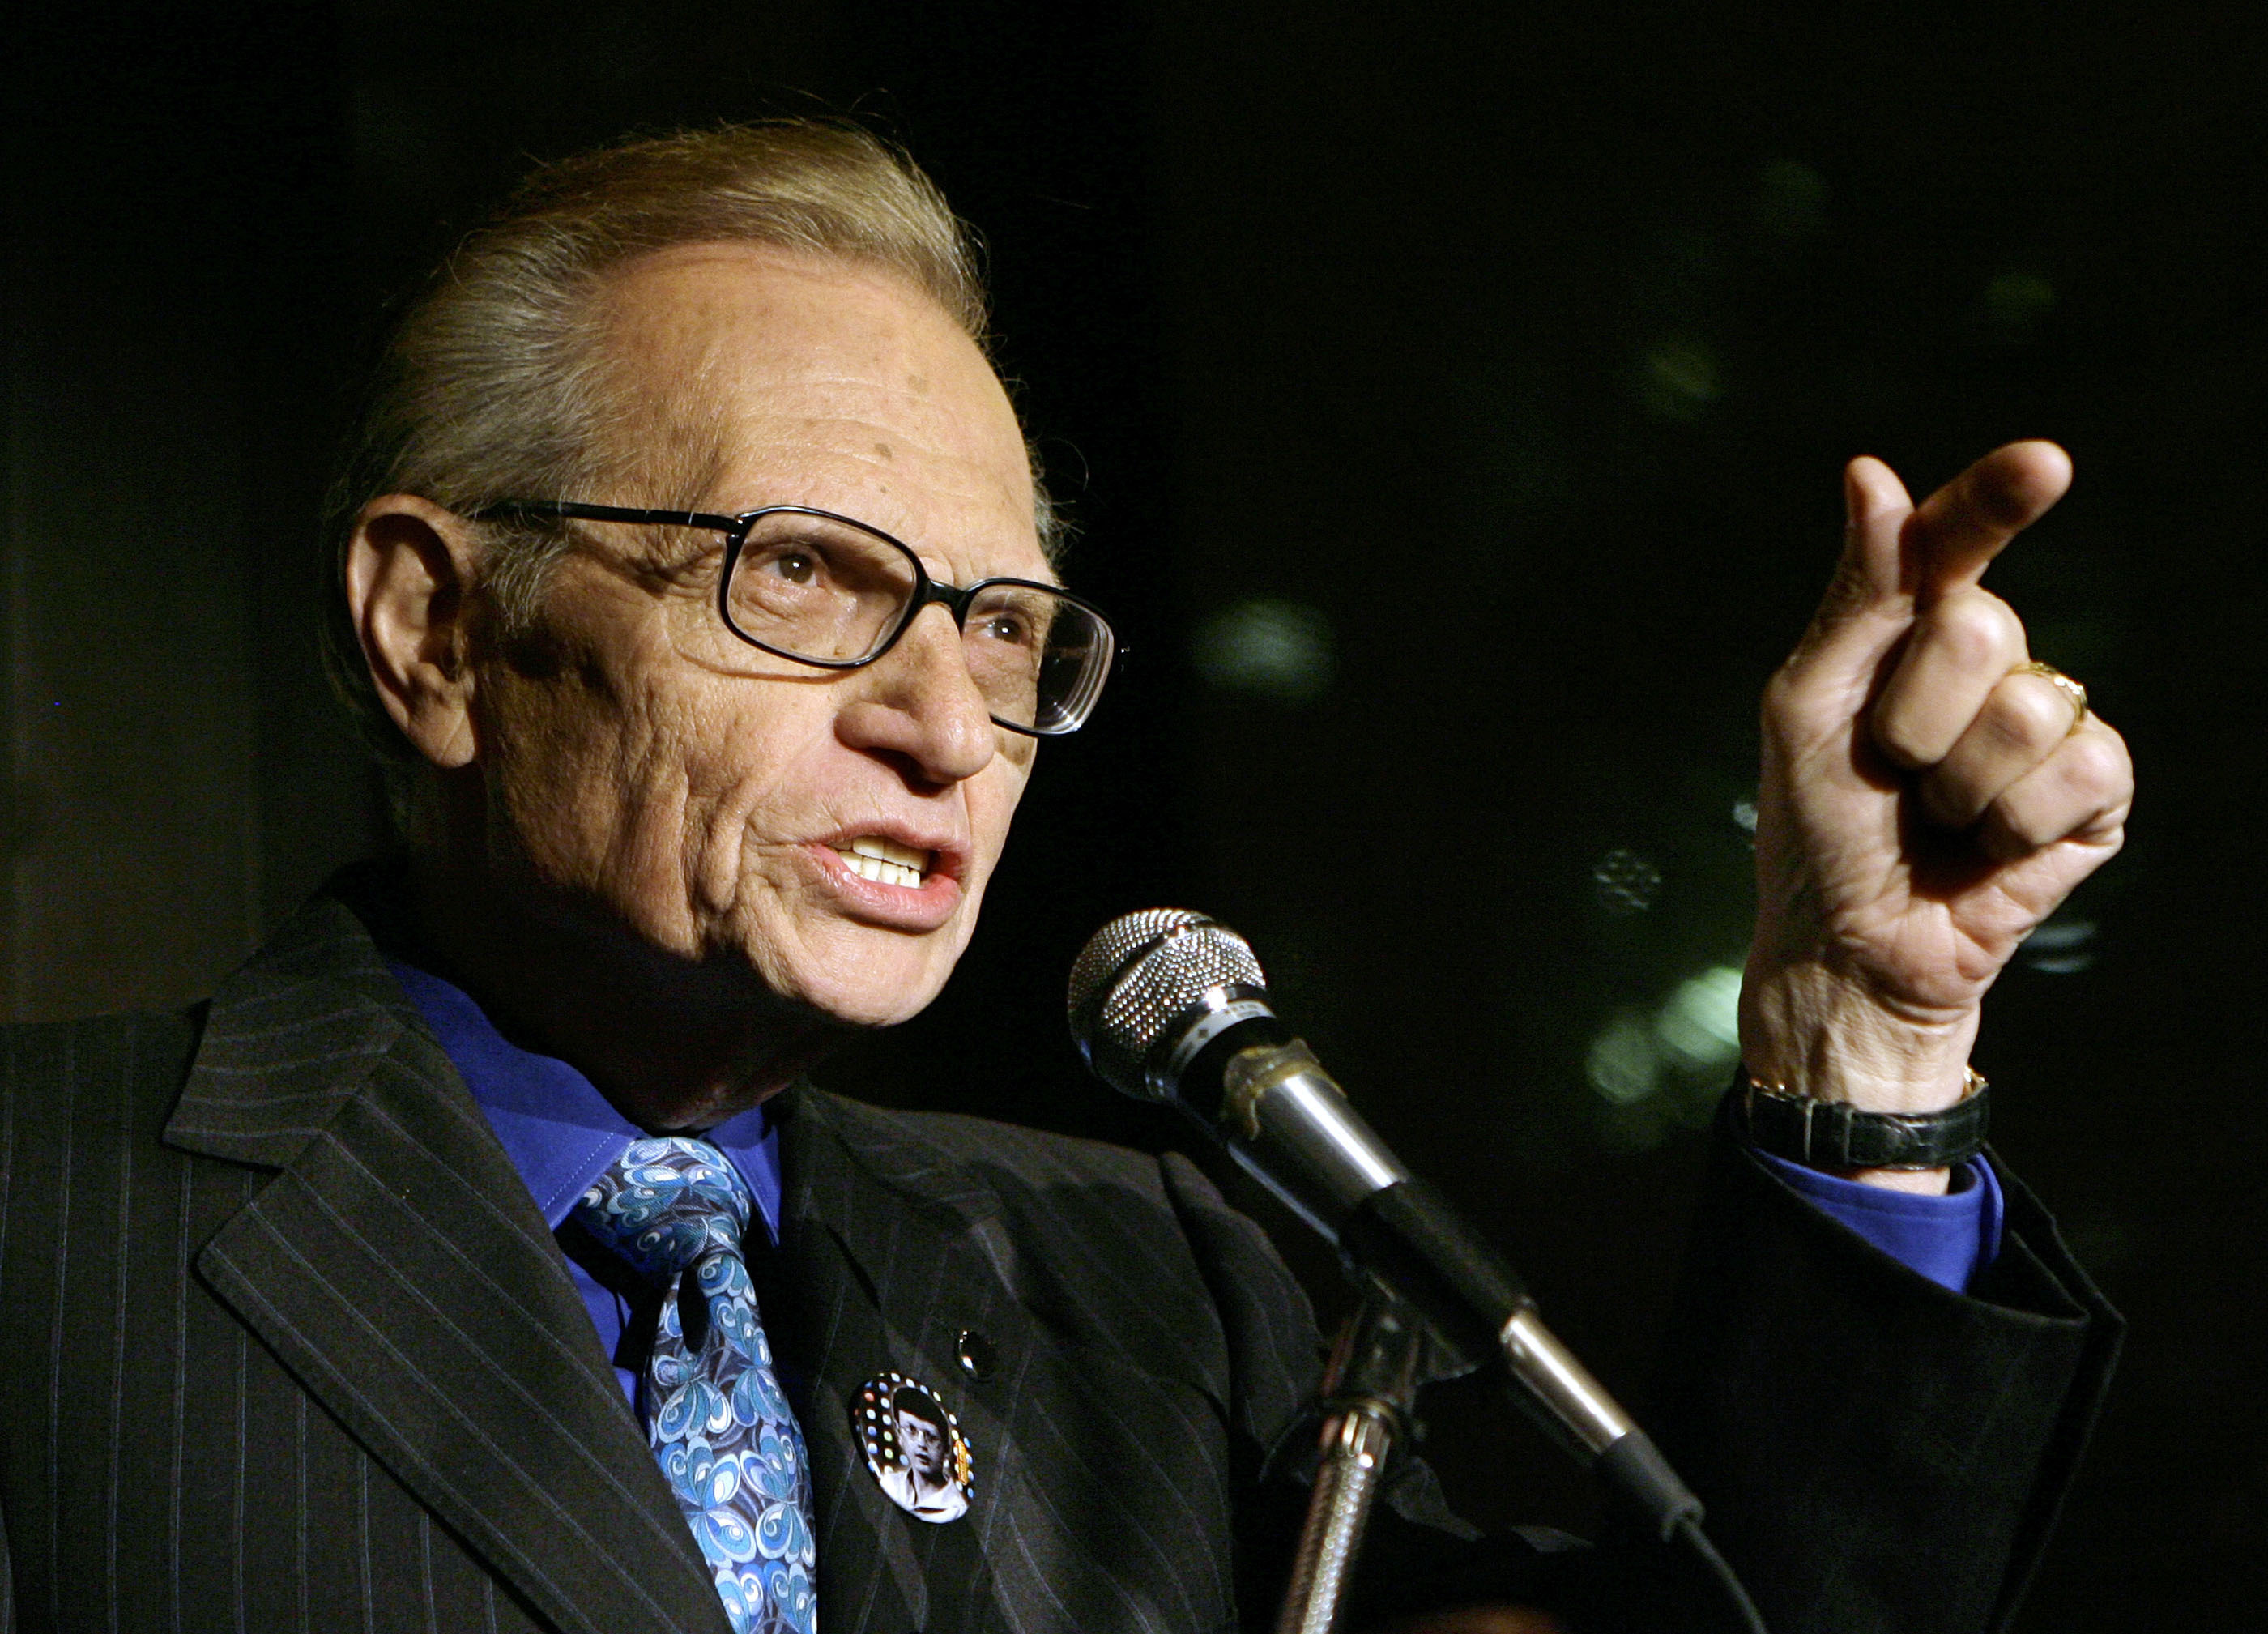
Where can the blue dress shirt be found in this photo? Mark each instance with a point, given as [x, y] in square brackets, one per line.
[561, 1133]
[1947, 1239]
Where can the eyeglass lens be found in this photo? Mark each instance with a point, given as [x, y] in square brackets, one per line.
[817, 588]
[823, 589]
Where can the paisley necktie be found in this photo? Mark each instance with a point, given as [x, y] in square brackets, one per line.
[675, 1208]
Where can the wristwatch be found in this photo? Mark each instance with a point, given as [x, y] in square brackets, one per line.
[1831, 1135]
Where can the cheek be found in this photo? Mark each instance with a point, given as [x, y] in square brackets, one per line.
[598, 783]
[757, 785]
[556, 751]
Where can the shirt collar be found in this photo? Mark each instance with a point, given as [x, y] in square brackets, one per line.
[559, 1130]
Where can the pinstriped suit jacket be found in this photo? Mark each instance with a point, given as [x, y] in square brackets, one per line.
[284, 1343]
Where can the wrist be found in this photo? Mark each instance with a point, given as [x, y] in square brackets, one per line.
[1823, 1036]
[1910, 1151]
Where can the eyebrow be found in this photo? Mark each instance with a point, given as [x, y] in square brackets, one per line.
[713, 520]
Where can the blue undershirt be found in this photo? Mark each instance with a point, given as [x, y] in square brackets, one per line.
[561, 1134]
[1949, 1239]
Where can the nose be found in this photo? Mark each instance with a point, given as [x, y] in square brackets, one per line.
[918, 704]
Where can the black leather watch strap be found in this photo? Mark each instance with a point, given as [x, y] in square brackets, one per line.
[1829, 1134]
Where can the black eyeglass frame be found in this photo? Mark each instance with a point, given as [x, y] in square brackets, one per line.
[953, 599]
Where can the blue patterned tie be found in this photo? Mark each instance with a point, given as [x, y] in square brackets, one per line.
[720, 1428]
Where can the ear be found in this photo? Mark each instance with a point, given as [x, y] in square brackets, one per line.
[408, 581]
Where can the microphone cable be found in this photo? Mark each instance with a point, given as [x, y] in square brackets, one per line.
[1751, 1619]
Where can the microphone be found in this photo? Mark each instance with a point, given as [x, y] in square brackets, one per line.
[1170, 1006]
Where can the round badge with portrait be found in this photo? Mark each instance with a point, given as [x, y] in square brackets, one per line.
[914, 1447]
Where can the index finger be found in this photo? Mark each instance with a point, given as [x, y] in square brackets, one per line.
[1953, 534]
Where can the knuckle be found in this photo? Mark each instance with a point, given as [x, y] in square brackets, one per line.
[1949, 797]
[2098, 764]
[2028, 822]
[1902, 737]
[2000, 838]
[2032, 716]
[1976, 630]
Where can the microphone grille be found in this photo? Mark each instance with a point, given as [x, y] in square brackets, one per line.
[1140, 974]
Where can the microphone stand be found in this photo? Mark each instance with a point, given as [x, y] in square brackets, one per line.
[1370, 1390]
[1171, 1007]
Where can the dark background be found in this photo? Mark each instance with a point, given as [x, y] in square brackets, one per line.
[1451, 401]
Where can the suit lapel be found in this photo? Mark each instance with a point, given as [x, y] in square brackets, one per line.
[890, 1253]
[397, 1266]
[844, 1234]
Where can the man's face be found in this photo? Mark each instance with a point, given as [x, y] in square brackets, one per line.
[924, 1447]
[708, 809]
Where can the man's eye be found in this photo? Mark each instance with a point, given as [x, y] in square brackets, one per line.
[1012, 627]
[797, 567]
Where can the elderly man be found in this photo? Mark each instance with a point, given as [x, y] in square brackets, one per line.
[476, 1258]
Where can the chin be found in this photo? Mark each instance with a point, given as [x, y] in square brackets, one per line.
[869, 1005]
[871, 979]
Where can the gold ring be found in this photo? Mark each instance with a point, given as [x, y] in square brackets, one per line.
[2063, 683]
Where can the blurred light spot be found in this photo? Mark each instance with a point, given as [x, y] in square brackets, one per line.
[2060, 935]
[1660, 1070]
[1699, 1029]
[1625, 881]
[2016, 304]
[1278, 649]
[1622, 1065]
[1744, 816]
[1791, 200]
[1678, 380]
[2059, 947]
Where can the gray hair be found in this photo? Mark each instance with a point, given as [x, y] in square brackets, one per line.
[493, 384]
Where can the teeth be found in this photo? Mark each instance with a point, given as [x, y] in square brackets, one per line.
[890, 851]
[886, 862]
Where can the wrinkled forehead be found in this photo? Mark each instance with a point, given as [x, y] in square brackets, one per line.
[773, 378]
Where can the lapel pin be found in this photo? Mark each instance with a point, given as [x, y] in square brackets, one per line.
[976, 1353]
[914, 1447]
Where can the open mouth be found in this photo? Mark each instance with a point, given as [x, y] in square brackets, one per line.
[885, 861]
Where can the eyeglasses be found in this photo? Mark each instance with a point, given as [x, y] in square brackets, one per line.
[824, 590]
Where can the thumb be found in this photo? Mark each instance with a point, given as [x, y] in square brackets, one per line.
[1869, 603]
